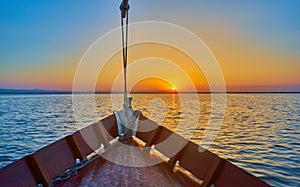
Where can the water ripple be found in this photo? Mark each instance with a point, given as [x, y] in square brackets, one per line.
[260, 132]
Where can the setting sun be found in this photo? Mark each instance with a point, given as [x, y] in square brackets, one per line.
[173, 88]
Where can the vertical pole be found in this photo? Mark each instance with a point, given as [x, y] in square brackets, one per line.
[124, 15]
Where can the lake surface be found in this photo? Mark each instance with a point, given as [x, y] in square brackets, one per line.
[260, 132]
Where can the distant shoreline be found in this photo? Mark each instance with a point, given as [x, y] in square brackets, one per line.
[49, 92]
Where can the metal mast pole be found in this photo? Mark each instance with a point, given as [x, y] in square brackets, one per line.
[124, 7]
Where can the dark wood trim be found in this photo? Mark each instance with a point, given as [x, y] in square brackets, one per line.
[103, 135]
[74, 147]
[213, 172]
[40, 169]
[155, 137]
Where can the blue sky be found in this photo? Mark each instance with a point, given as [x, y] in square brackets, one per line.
[35, 34]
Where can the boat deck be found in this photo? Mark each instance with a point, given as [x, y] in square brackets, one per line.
[102, 172]
[155, 147]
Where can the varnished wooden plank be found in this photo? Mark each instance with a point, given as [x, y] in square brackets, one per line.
[19, 173]
[198, 163]
[232, 175]
[106, 173]
[213, 172]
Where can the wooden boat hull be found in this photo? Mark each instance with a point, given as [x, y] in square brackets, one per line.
[102, 172]
[204, 168]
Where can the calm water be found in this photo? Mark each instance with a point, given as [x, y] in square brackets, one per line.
[260, 132]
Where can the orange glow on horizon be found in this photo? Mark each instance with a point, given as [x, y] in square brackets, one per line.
[152, 85]
[176, 66]
[246, 66]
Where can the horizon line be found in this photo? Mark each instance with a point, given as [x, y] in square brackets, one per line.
[42, 91]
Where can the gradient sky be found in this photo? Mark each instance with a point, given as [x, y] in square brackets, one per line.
[256, 42]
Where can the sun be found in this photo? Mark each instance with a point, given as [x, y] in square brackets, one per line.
[173, 88]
